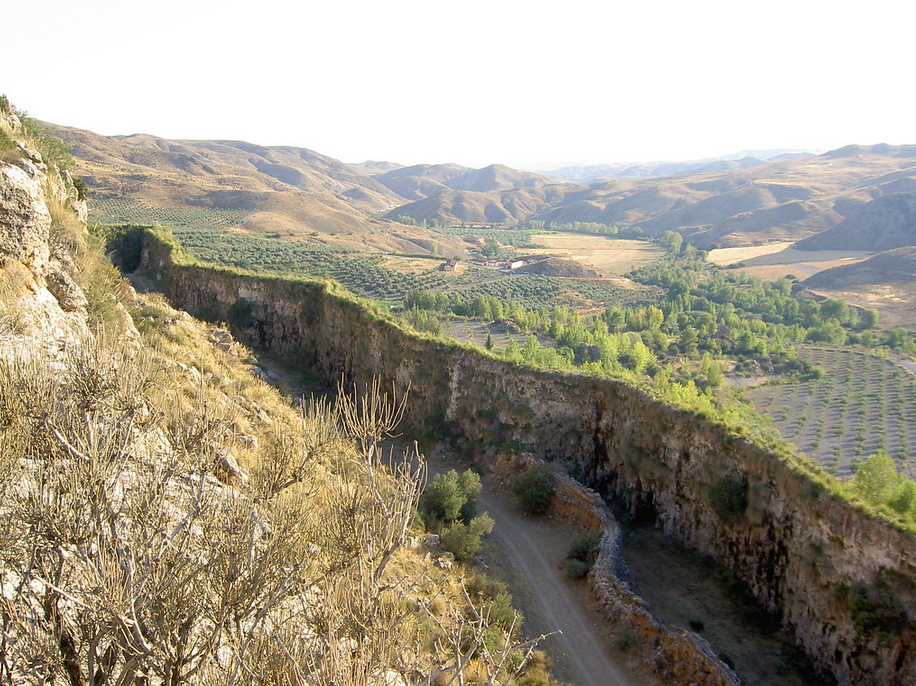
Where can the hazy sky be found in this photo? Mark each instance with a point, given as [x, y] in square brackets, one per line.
[522, 83]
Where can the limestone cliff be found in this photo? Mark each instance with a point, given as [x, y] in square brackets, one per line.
[842, 581]
[42, 219]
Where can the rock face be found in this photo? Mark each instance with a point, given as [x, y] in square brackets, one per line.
[25, 221]
[41, 304]
[843, 582]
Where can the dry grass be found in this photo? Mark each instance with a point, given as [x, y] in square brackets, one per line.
[895, 301]
[416, 265]
[726, 256]
[776, 260]
[607, 255]
[14, 282]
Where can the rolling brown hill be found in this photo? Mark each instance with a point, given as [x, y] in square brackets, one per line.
[476, 207]
[421, 180]
[426, 180]
[294, 191]
[224, 165]
[785, 200]
[496, 177]
[284, 191]
[892, 266]
[789, 199]
[886, 282]
[885, 223]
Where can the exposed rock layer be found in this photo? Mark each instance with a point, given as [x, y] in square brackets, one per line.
[810, 558]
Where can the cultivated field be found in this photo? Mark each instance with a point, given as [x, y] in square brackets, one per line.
[419, 265]
[864, 403]
[128, 211]
[776, 260]
[610, 256]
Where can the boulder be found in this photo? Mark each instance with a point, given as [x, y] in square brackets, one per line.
[64, 288]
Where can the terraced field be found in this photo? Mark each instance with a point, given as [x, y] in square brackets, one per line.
[127, 211]
[862, 404]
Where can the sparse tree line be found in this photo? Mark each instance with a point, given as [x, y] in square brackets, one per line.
[705, 320]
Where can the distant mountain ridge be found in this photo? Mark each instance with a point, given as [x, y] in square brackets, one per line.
[589, 174]
[731, 202]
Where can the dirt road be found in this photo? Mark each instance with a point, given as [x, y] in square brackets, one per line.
[529, 554]
[579, 651]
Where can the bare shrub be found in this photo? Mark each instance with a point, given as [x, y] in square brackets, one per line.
[125, 561]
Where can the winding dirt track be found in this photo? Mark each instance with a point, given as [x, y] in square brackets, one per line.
[523, 541]
[583, 659]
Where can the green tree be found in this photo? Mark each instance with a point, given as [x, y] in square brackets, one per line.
[728, 496]
[876, 478]
[449, 508]
[903, 498]
[711, 371]
[868, 319]
[672, 241]
[513, 352]
[530, 349]
[490, 248]
[451, 497]
[688, 340]
[464, 540]
[534, 488]
[836, 309]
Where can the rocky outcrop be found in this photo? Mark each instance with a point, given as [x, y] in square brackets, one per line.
[25, 221]
[843, 582]
[41, 304]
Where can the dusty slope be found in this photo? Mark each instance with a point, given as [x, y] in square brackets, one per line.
[885, 223]
[233, 165]
[783, 200]
[731, 204]
[886, 282]
[421, 180]
[287, 192]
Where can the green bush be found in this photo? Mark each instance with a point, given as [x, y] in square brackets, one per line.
[82, 188]
[578, 569]
[585, 546]
[451, 497]
[625, 638]
[903, 499]
[513, 447]
[464, 540]
[876, 478]
[534, 489]
[449, 508]
[240, 313]
[491, 597]
[728, 496]
[876, 609]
